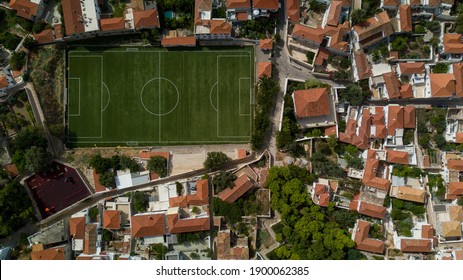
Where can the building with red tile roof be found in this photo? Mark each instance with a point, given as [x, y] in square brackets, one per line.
[336, 37]
[400, 157]
[321, 194]
[264, 69]
[372, 31]
[241, 186]
[52, 254]
[3, 82]
[44, 37]
[266, 44]
[308, 35]
[112, 24]
[410, 194]
[442, 85]
[410, 68]
[58, 28]
[409, 245]
[72, 14]
[220, 27]
[27, 9]
[363, 242]
[90, 239]
[370, 174]
[177, 225]
[240, 153]
[311, 102]
[148, 225]
[203, 12]
[293, 11]
[453, 43]
[146, 19]
[146, 155]
[271, 5]
[390, 3]
[77, 227]
[201, 197]
[454, 190]
[455, 164]
[321, 58]
[458, 74]
[371, 126]
[226, 252]
[427, 231]
[96, 180]
[392, 85]
[362, 68]
[238, 4]
[406, 91]
[405, 14]
[334, 11]
[189, 41]
[112, 219]
[409, 117]
[399, 118]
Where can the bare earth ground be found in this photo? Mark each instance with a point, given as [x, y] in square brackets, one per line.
[184, 158]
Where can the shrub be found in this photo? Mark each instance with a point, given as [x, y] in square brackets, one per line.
[440, 67]
[158, 164]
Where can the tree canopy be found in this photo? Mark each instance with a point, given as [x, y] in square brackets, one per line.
[215, 160]
[158, 164]
[223, 180]
[140, 201]
[15, 206]
[308, 230]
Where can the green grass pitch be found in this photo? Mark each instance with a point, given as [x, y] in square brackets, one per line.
[154, 96]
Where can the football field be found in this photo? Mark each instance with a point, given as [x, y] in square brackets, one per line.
[151, 96]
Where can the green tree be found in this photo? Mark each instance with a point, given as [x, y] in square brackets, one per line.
[158, 164]
[400, 44]
[433, 26]
[354, 95]
[215, 160]
[140, 201]
[39, 26]
[108, 179]
[93, 213]
[223, 180]
[440, 67]
[358, 16]
[310, 55]
[36, 159]
[17, 60]
[29, 42]
[439, 139]
[232, 212]
[16, 208]
[159, 250]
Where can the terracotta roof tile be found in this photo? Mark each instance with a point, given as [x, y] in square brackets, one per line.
[456, 213]
[58, 31]
[145, 155]
[179, 41]
[264, 69]
[90, 239]
[334, 12]
[406, 91]
[459, 137]
[220, 27]
[112, 219]
[44, 37]
[265, 4]
[11, 170]
[374, 30]
[454, 190]
[364, 243]
[242, 16]
[311, 102]
[77, 227]
[331, 130]
[201, 196]
[395, 119]
[241, 186]
[177, 225]
[308, 33]
[392, 85]
[427, 231]
[455, 164]
[442, 85]
[148, 225]
[24, 8]
[451, 229]
[458, 73]
[96, 180]
[458, 255]
[391, 2]
[322, 55]
[72, 13]
[266, 44]
[405, 18]
[409, 117]
[240, 153]
[399, 157]
[453, 43]
[202, 6]
[411, 194]
[293, 10]
[409, 68]
[145, 19]
[416, 245]
[372, 210]
[49, 254]
[362, 64]
[109, 24]
[370, 177]
[238, 4]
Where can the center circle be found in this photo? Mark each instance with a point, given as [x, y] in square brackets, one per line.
[159, 96]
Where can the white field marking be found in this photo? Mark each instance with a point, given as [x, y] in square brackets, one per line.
[78, 114]
[177, 142]
[217, 62]
[210, 96]
[101, 97]
[109, 96]
[239, 97]
[159, 99]
[132, 50]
